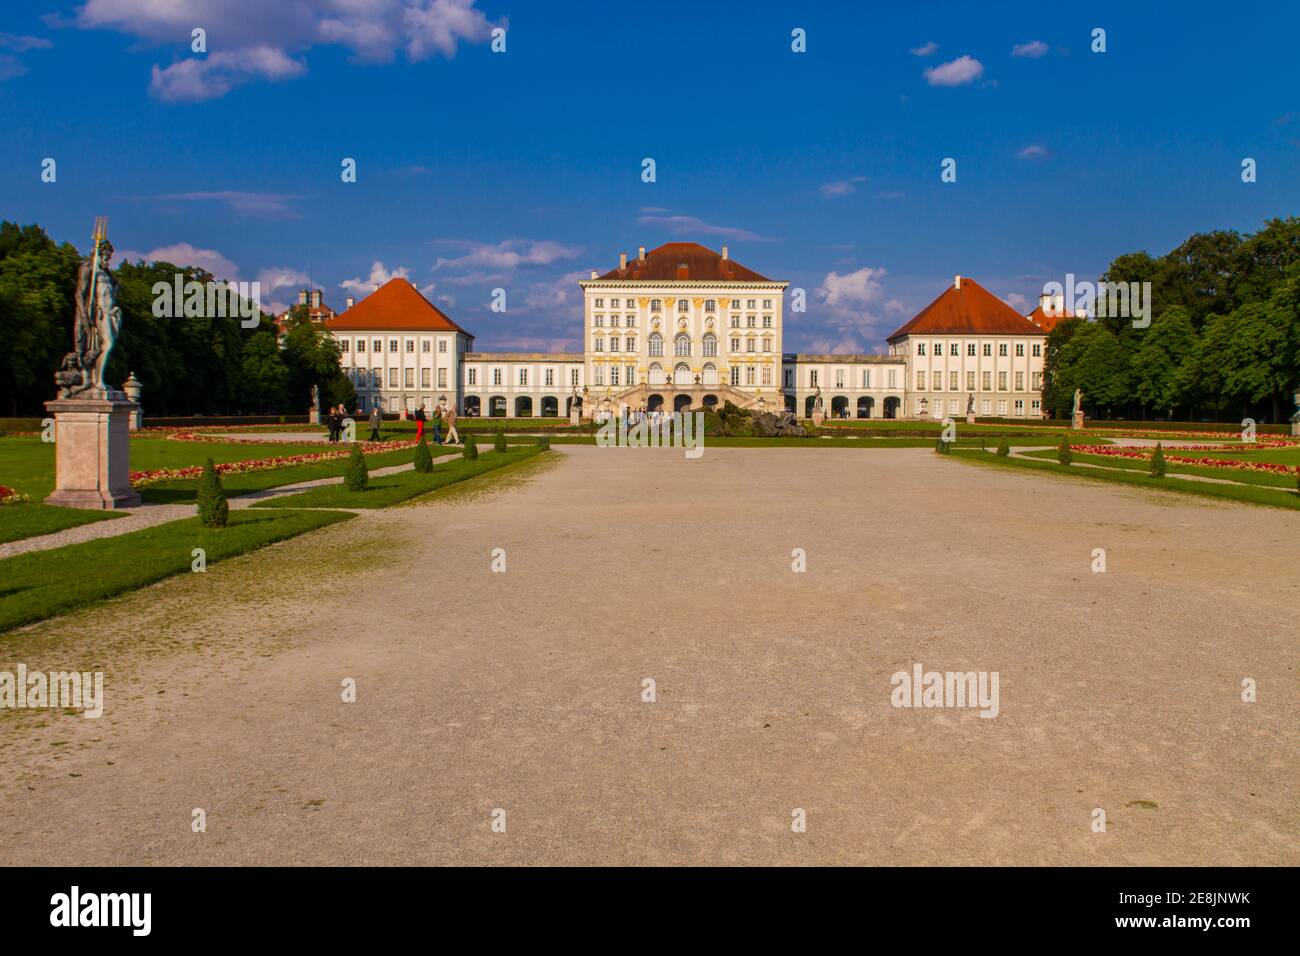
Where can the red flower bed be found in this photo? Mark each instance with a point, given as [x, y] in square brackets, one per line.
[1231, 464]
[139, 478]
[9, 496]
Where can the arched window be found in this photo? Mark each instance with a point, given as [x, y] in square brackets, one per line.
[656, 344]
[710, 344]
[682, 345]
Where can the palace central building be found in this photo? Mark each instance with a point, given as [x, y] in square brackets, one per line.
[683, 326]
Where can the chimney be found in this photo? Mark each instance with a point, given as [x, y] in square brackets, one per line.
[724, 252]
[594, 274]
[640, 254]
[683, 271]
[374, 287]
[956, 283]
[351, 301]
[315, 298]
[622, 262]
[302, 296]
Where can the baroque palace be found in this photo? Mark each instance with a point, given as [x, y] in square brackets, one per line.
[682, 327]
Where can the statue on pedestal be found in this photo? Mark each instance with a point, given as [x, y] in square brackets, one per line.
[1076, 420]
[96, 325]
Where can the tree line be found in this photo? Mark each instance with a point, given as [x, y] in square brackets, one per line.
[1223, 344]
[190, 365]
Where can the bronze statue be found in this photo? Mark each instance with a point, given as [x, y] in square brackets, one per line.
[97, 322]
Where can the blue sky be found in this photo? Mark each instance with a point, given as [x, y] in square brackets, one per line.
[522, 169]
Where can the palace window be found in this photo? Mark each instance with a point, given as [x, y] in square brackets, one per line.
[866, 378]
[987, 383]
[812, 378]
[1038, 349]
[683, 305]
[767, 321]
[710, 345]
[549, 377]
[599, 303]
[599, 322]
[1038, 381]
[473, 377]
[613, 343]
[1002, 406]
[936, 380]
[735, 344]
[410, 346]
[682, 345]
[629, 321]
[1002, 349]
[600, 374]
[442, 378]
[750, 303]
[600, 344]
[410, 378]
[839, 378]
[749, 344]
[735, 375]
[970, 381]
[392, 378]
[392, 345]
[735, 303]
[767, 375]
[970, 349]
[629, 344]
[892, 380]
[789, 378]
[343, 345]
[988, 350]
[361, 345]
[426, 377]
[631, 375]
[1020, 381]
[953, 349]
[377, 345]
[735, 321]
[920, 348]
[749, 321]
[1020, 349]
[496, 377]
[613, 375]
[613, 321]
[938, 349]
[1002, 382]
[442, 346]
[986, 406]
[573, 378]
[953, 384]
[656, 305]
[749, 375]
[523, 377]
[920, 381]
[424, 346]
[710, 305]
[656, 344]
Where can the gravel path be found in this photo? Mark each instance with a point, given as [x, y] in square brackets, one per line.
[522, 691]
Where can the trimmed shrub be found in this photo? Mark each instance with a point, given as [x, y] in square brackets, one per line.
[423, 460]
[544, 443]
[470, 451]
[1063, 453]
[1158, 462]
[214, 510]
[499, 443]
[1003, 448]
[357, 476]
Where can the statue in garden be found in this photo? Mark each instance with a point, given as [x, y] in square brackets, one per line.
[96, 324]
[1078, 401]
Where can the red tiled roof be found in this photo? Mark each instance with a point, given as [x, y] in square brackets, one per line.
[1048, 322]
[702, 265]
[394, 305]
[970, 310]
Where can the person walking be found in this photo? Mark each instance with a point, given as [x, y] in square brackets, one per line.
[335, 423]
[419, 423]
[375, 419]
[437, 426]
[449, 416]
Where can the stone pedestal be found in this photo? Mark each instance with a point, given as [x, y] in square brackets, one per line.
[970, 418]
[575, 419]
[1077, 424]
[818, 416]
[92, 443]
[313, 416]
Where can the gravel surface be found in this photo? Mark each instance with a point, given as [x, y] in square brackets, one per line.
[522, 690]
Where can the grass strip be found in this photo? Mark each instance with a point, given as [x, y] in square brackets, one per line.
[42, 584]
[1246, 494]
[394, 489]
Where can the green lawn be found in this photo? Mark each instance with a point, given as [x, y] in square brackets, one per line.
[44, 583]
[1247, 494]
[1262, 478]
[836, 441]
[393, 489]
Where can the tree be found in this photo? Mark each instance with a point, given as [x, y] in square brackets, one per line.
[357, 475]
[1158, 466]
[214, 510]
[423, 460]
[1161, 354]
[470, 451]
[264, 376]
[1063, 453]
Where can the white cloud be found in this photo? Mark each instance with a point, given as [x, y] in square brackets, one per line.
[193, 80]
[379, 274]
[373, 30]
[849, 295]
[1033, 49]
[507, 255]
[21, 44]
[925, 49]
[1018, 302]
[841, 187]
[556, 295]
[184, 254]
[1035, 151]
[688, 225]
[258, 205]
[964, 69]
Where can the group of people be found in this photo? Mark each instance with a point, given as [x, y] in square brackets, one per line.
[335, 421]
[443, 415]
